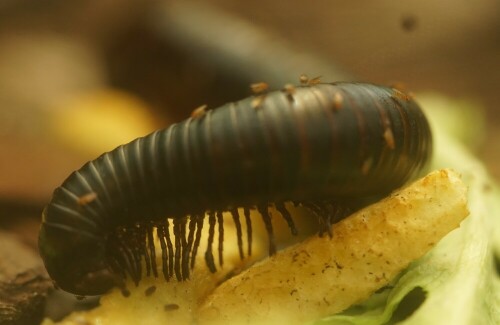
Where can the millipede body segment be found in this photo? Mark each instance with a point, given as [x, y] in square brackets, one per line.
[323, 146]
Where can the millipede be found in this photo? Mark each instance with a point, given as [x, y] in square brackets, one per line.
[329, 147]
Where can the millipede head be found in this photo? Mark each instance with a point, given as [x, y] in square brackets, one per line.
[75, 260]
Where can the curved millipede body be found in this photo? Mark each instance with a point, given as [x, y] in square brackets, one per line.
[317, 145]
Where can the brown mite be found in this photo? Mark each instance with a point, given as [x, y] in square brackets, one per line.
[259, 88]
[87, 198]
[199, 111]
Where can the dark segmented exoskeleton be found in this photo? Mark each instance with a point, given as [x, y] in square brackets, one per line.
[317, 145]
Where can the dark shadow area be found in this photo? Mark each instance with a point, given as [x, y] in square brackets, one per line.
[408, 305]
[496, 263]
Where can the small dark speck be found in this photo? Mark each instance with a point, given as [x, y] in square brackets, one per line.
[149, 291]
[170, 307]
[409, 22]
[125, 293]
[293, 291]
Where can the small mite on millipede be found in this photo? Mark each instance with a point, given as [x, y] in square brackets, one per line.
[327, 147]
[306, 81]
[260, 90]
[199, 111]
[87, 198]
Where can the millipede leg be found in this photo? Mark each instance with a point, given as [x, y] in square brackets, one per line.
[288, 218]
[140, 233]
[220, 222]
[160, 230]
[133, 245]
[116, 264]
[184, 250]
[152, 251]
[199, 227]
[327, 215]
[170, 247]
[339, 211]
[189, 246]
[266, 217]
[130, 260]
[246, 212]
[209, 257]
[239, 235]
[115, 256]
[178, 249]
[323, 217]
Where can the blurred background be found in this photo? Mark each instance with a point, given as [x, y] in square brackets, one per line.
[79, 78]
